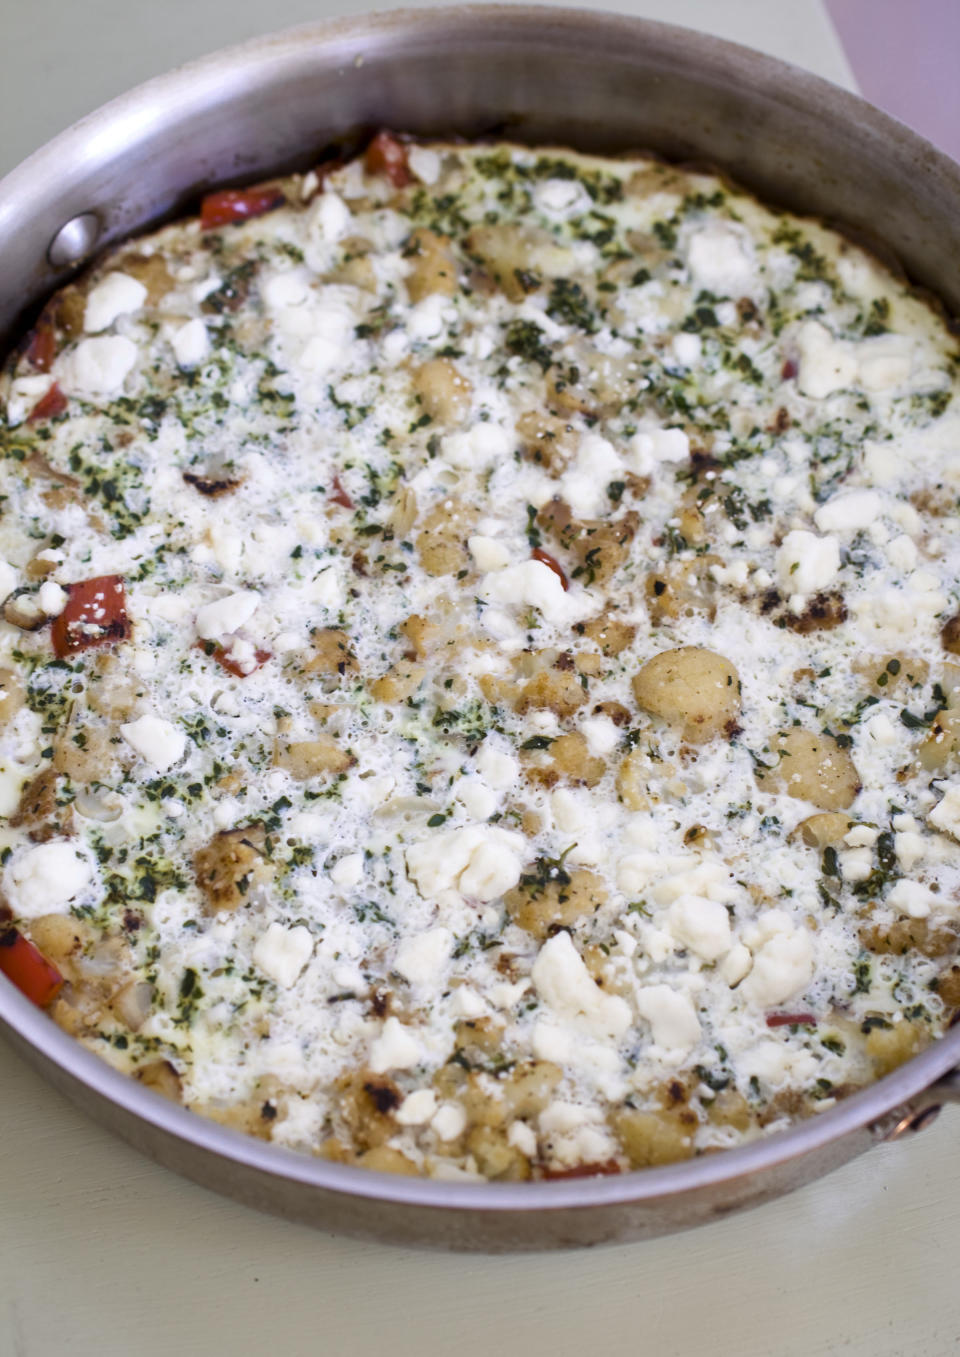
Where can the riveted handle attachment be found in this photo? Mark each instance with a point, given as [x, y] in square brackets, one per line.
[921, 1111]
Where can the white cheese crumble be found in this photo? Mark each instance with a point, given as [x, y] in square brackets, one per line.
[191, 343]
[827, 365]
[701, 925]
[417, 1108]
[224, 616]
[782, 963]
[45, 879]
[720, 260]
[672, 1017]
[533, 585]
[281, 953]
[158, 741]
[420, 959]
[117, 295]
[807, 563]
[946, 814]
[565, 985]
[394, 1049]
[98, 367]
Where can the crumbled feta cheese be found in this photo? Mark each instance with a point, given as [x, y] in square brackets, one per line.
[850, 511]
[910, 849]
[884, 362]
[881, 731]
[902, 553]
[52, 598]
[783, 964]
[494, 868]
[736, 964]
[159, 743]
[24, 394]
[775, 1063]
[672, 1017]
[477, 799]
[327, 589]
[98, 367]
[701, 925]
[417, 1108]
[8, 580]
[882, 462]
[191, 343]
[826, 364]
[601, 735]
[224, 616]
[289, 288]
[584, 485]
[552, 1042]
[807, 563]
[564, 983]
[420, 959]
[497, 768]
[856, 864]
[227, 812]
[687, 349]
[479, 861]
[347, 871]
[946, 814]
[560, 197]
[652, 446]
[330, 216]
[449, 1121]
[466, 1003]
[281, 953]
[861, 836]
[44, 880]
[395, 1048]
[116, 295]
[424, 163]
[719, 258]
[477, 447]
[911, 898]
[428, 320]
[488, 554]
[523, 1138]
[531, 585]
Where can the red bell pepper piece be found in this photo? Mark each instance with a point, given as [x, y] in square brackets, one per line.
[791, 1020]
[605, 1169]
[339, 496]
[226, 661]
[387, 155]
[53, 403]
[28, 969]
[95, 615]
[544, 557]
[42, 348]
[238, 204]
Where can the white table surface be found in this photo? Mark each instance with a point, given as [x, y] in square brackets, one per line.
[104, 1253]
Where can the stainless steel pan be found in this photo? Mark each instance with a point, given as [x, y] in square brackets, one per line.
[597, 82]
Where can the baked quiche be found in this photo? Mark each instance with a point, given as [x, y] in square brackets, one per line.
[478, 693]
